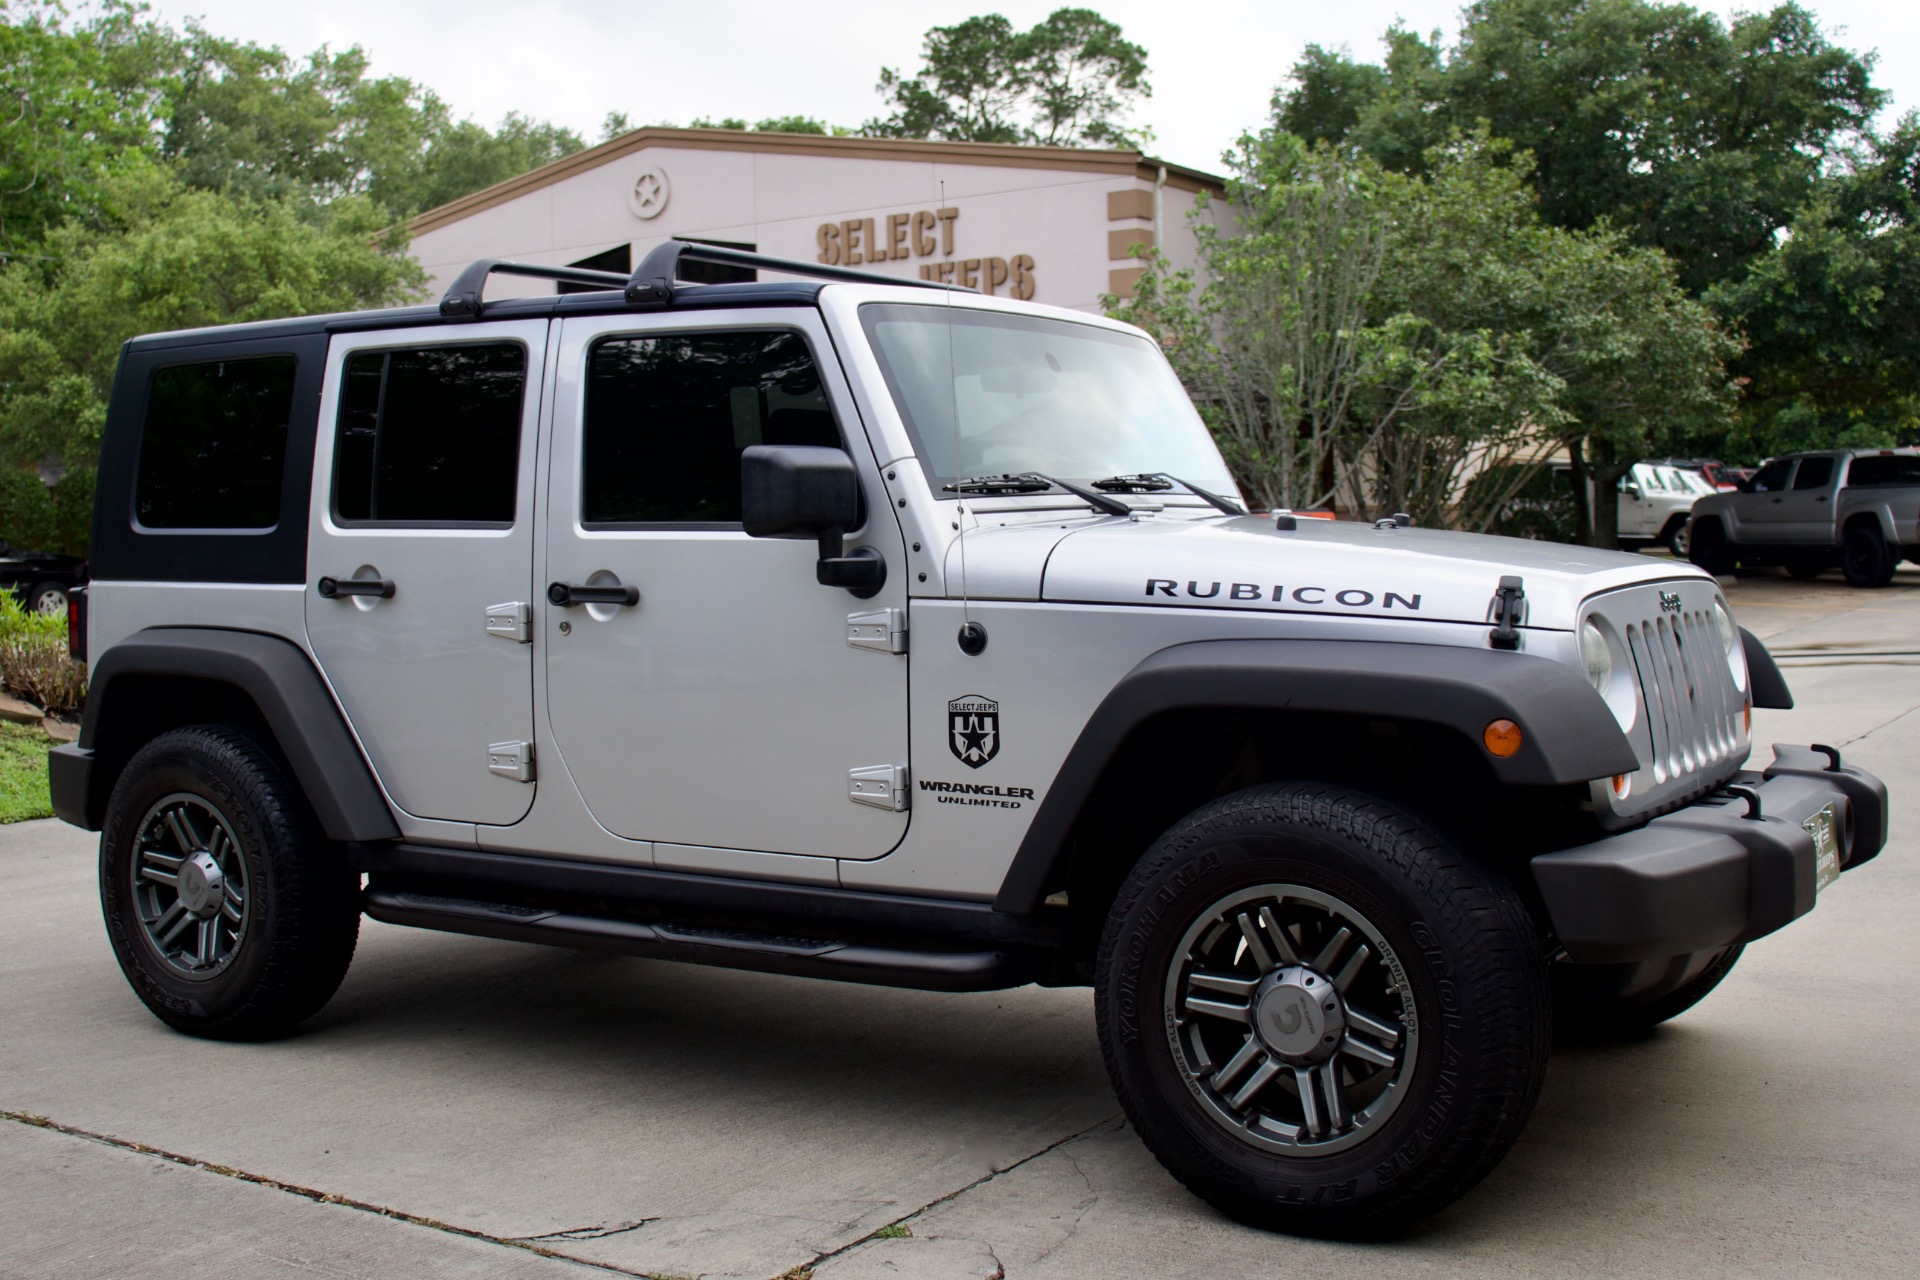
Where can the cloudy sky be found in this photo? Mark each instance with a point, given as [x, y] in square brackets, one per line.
[1214, 64]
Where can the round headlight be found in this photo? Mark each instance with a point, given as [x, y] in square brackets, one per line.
[1723, 623]
[1597, 654]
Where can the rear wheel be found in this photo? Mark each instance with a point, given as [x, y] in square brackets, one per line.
[1319, 1014]
[1581, 1013]
[1674, 536]
[1710, 550]
[1864, 557]
[230, 915]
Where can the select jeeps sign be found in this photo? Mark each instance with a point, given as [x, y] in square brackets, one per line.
[973, 729]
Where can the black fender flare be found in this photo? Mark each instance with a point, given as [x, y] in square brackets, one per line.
[283, 684]
[1568, 734]
[1764, 681]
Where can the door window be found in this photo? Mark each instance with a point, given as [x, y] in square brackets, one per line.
[1814, 473]
[430, 436]
[1772, 478]
[667, 418]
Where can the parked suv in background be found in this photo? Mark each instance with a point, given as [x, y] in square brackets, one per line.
[40, 580]
[1858, 509]
[852, 628]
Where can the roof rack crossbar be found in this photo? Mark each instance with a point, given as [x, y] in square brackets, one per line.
[463, 299]
[653, 280]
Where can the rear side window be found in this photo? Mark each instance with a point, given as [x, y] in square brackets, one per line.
[430, 436]
[1814, 473]
[667, 418]
[1884, 469]
[214, 443]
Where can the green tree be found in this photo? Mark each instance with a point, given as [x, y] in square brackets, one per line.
[1067, 82]
[181, 258]
[1698, 137]
[1379, 339]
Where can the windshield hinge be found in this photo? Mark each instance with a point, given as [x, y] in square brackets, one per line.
[881, 630]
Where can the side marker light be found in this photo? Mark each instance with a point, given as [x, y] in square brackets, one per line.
[1502, 738]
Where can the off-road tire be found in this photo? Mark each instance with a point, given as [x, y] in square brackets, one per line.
[1710, 550]
[1865, 558]
[300, 916]
[1578, 1015]
[1471, 960]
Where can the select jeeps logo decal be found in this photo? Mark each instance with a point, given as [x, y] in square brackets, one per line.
[973, 729]
[1253, 593]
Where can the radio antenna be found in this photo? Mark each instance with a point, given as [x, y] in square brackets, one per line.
[973, 637]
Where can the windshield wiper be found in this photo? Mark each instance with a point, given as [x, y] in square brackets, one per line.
[1034, 482]
[1160, 482]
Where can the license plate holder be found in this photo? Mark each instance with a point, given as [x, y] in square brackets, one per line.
[1824, 828]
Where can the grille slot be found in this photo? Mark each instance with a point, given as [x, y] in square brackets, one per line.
[1689, 699]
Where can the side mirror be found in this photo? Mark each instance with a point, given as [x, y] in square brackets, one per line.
[806, 491]
[1633, 491]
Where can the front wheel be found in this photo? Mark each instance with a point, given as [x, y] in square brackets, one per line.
[230, 915]
[1675, 537]
[1319, 1014]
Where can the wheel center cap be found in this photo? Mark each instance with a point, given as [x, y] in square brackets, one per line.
[202, 884]
[1299, 1015]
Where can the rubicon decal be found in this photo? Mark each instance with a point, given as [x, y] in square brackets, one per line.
[1251, 593]
[973, 729]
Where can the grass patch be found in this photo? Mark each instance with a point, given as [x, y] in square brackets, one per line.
[23, 773]
[894, 1232]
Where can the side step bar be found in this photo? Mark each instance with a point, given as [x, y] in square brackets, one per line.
[978, 970]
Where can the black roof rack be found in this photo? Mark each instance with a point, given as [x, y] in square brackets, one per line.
[652, 282]
[463, 299]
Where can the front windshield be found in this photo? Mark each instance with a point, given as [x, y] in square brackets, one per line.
[1070, 400]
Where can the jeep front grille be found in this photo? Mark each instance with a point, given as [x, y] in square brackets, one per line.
[1693, 710]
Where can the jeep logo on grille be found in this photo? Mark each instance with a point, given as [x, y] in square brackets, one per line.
[1669, 602]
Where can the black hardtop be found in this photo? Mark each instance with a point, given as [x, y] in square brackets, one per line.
[655, 284]
[688, 298]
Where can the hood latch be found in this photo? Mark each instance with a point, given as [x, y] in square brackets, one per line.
[1507, 612]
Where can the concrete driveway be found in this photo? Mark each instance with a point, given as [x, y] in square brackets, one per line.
[476, 1108]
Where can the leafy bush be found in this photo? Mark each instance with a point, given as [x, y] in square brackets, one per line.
[27, 517]
[1542, 507]
[33, 658]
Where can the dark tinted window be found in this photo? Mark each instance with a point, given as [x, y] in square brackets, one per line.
[1814, 473]
[1772, 478]
[667, 418]
[214, 445]
[431, 435]
[1884, 469]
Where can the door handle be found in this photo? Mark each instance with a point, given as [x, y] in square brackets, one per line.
[333, 588]
[567, 594]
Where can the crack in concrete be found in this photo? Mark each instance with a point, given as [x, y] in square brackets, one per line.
[33, 1121]
[1080, 1213]
[1885, 724]
[599, 1232]
[807, 1268]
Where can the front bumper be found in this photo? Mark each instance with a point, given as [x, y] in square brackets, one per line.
[1724, 870]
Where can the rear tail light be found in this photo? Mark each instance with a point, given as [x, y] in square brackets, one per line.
[77, 622]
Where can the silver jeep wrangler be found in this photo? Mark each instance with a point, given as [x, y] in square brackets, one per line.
[836, 626]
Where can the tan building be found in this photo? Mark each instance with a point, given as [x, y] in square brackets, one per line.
[1052, 224]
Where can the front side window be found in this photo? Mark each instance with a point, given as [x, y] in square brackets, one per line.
[990, 393]
[667, 418]
[214, 445]
[1814, 473]
[1772, 478]
[430, 435]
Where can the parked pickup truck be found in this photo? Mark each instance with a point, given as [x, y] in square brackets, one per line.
[1855, 508]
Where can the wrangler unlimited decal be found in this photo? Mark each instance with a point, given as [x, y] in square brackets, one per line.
[1347, 598]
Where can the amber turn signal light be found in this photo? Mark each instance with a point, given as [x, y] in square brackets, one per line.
[1502, 737]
